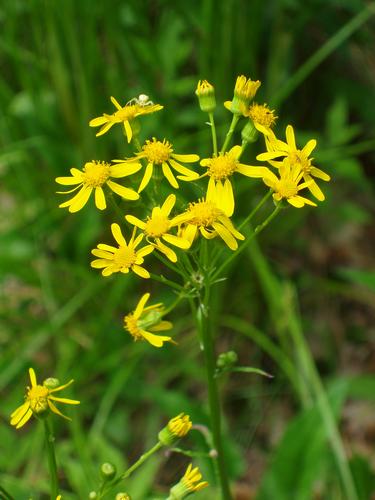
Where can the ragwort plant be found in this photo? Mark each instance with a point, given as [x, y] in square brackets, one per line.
[190, 242]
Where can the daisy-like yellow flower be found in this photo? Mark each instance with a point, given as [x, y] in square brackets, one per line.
[39, 399]
[93, 177]
[244, 90]
[124, 114]
[262, 117]
[288, 185]
[188, 484]
[278, 150]
[161, 153]
[208, 216]
[123, 258]
[220, 168]
[144, 321]
[176, 429]
[156, 228]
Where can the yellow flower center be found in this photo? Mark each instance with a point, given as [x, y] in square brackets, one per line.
[131, 324]
[286, 188]
[157, 151]
[180, 425]
[125, 114]
[222, 166]
[156, 226]
[95, 173]
[300, 159]
[204, 213]
[124, 257]
[38, 398]
[262, 114]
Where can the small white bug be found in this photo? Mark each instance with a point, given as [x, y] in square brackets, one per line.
[141, 100]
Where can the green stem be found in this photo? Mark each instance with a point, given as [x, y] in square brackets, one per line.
[255, 210]
[230, 132]
[132, 468]
[323, 52]
[115, 206]
[323, 406]
[7, 496]
[244, 245]
[50, 442]
[213, 132]
[166, 281]
[136, 143]
[180, 297]
[203, 325]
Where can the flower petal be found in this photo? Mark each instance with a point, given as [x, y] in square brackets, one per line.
[80, 199]
[316, 172]
[177, 241]
[225, 235]
[186, 158]
[96, 122]
[290, 139]
[124, 169]
[155, 340]
[309, 148]
[128, 130]
[141, 271]
[168, 205]
[117, 234]
[32, 377]
[68, 181]
[169, 175]
[135, 221]
[56, 410]
[168, 252]
[115, 103]
[141, 304]
[124, 192]
[65, 400]
[147, 176]
[100, 199]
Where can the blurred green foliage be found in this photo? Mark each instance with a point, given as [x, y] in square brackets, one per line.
[60, 61]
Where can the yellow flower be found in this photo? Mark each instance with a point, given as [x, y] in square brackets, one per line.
[124, 114]
[176, 429]
[161, 153]
[124, 257]
[244, 90]
[188, 484]
[287, 186]
[220, 168]
[93, 176]
[262, 117]
[143, 321]
[209, 218]
[40, 398]
[157, 227]
[296, 157]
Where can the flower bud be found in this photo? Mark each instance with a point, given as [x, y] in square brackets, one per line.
[188, 484]
[227, 360]
[107, 471]
[244, 90]
[249, 133]
[93, 495]
[51, 383]
[176, 428]
[206, 96]
[122, 496]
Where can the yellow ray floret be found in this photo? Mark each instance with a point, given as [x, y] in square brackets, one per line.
[123, 258]
[219, 169]
[39, 399]
[157, 229]
[93, 177]
[123, 114]
[287, 187]
[278, 150]
[144, 321]
[160, 153]
[188, 484]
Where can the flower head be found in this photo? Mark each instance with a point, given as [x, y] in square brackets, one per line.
[93, 177]
[39, 399]
[288, 185]
[206, 96]
[262, 117]
[188, 484]
[158, 153]
[123, 114]
[208, 216]
[144, 321]
[176, 429]
[244, 90]
[220, 168]
[156, 228]
[278, 152]
[123, 258]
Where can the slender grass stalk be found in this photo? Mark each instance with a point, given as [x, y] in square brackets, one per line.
[50, 442]
[325, 50]
[3, 492]
[213, 132]
[322, 401]
[205, 334]
[230, 132]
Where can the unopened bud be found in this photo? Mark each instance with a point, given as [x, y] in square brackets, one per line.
[206, 96]
[107, 471]
[51, 383]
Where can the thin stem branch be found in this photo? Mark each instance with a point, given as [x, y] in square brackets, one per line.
[50, 442]
[166, 281]
[244, 245]
[255, 210]
[230, 132]
[213, 132]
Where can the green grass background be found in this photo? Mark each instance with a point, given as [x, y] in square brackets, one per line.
[60, 61]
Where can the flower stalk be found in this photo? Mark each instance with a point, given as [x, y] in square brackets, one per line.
[51, 455]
